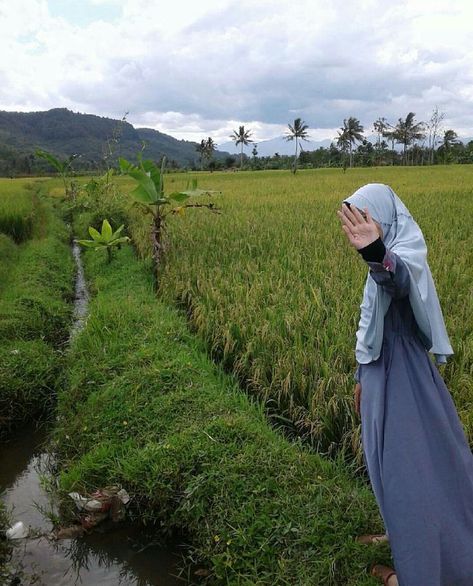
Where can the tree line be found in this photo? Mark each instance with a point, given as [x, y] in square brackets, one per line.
[419, 143]
[405, 142]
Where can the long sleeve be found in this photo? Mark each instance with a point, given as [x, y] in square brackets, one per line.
[389, 271]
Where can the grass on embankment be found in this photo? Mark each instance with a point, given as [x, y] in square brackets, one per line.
[146, 408]
[35, 315]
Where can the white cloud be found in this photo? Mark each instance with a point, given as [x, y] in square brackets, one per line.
[195, 69]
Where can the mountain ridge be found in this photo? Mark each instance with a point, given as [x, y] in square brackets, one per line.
[64, 133]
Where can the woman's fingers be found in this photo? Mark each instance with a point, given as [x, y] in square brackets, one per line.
[359, 216]
[348, 213]
[343, 217]
[349, 234]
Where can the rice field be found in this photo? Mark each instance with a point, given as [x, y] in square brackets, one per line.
[18, 207]
[273, 287]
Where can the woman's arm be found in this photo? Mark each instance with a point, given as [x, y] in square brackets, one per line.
[386, 268]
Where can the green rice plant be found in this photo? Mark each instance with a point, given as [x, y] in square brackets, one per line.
[8, 254]
[17, 214]
[274, 290]
[149, 194]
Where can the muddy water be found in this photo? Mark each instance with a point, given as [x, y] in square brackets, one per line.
[113, 554]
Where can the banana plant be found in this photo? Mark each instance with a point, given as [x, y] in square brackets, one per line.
[64, 169]
[106, 239]
[149, 194]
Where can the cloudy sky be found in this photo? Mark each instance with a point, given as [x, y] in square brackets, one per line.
[197, 68]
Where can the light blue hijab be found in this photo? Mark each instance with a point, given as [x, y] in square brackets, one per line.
[402, 235]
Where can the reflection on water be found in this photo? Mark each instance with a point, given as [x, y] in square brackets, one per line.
[113, 554]
[81, 301]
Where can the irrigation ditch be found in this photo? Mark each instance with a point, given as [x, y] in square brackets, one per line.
[215, 489]
[112, 553]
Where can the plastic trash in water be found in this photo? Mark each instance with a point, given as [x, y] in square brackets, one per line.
[17, 531]
[105, 502]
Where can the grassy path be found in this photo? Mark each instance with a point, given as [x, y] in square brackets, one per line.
[35, 311]
[145, 407]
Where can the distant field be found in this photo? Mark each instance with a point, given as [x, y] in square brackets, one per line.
[274, 287]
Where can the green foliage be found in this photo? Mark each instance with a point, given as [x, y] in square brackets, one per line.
[30, 374]
[35, 313]
[147, 409]
[61, 166]
[62, 132]
[150, 188]
[64, 170]
[18, 213]
[107, 239]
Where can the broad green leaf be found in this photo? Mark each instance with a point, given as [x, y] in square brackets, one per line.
[146, 184]
[95, 234]
[119, 240]
[142, 195]
[179, 196]
[124, 165]
[154, 173]
[56, 163]
[88, 243]
[106, 231]
[117, 232]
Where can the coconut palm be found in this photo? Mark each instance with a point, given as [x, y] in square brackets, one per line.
[210, 147]
[408, 131]
[343, 143]
[242, 137]
[353, 131]
[296, 131]
[201, 149]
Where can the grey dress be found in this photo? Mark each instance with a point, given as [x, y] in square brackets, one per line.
[415, 450]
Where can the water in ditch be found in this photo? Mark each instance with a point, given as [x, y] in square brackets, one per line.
[111, 554]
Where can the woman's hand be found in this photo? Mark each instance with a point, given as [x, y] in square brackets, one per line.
[357, 398]
[360, 231]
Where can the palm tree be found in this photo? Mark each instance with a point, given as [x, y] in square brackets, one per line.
[407, 131]
[210, 147]
[296, 131]
[450, 138]
[380, 126]
[242, 137]
[201, 149]
[390, 133]
[353, 131]
[343, 143]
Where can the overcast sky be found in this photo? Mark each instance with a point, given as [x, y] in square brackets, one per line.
[198, 68]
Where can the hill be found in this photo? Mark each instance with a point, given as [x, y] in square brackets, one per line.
[64, 133]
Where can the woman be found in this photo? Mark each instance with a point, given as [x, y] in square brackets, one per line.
[414, 446]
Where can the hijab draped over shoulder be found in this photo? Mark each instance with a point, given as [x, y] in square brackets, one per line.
[402, 235]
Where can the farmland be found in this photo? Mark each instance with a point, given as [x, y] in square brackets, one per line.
[270, 290]
[274, 289]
